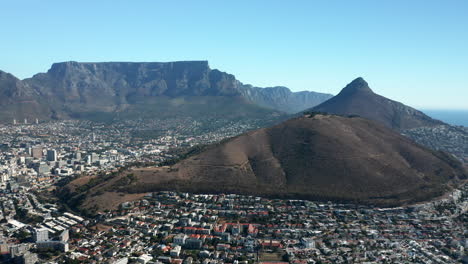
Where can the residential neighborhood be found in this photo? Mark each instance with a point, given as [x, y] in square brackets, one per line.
[170, 227]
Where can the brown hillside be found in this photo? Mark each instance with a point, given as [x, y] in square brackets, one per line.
[319, 157]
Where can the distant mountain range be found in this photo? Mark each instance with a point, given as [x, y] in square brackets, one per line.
[130, 89]
[357, 98]
[324, 157]
[282, 99]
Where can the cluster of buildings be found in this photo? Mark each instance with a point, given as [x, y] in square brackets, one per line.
[39, 154]
[183, 228]
[234, 228]
[30, 229]
[35, 156]
[178, 228]
[453, 139]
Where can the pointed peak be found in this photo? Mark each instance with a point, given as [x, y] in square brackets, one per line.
[359, 80]
[358, 84]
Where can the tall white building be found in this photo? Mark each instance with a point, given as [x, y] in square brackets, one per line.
[88, 159]
[40, 235]
[4, 177]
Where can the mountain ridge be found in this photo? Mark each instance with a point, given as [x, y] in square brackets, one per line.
[18, 100]
[357, 98]
[282, 98]
[72, 88]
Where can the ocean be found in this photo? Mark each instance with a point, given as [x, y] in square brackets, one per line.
[453, 117]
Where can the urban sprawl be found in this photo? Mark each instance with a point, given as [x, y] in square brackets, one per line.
[176, 228]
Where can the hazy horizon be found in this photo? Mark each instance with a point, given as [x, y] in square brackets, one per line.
[449, 116]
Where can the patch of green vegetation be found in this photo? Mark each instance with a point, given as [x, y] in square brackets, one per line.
[46, 254]
[71, 201]
[125, 181]
[148, 134]
[22, 235]
[24, 216]
[100, 178]
[183, 154]
[312, 114]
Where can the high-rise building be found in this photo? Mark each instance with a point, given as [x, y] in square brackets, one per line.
[64, 236]
[51, 155]
[78, 155]
[36, 152]
[40, 234]
[18, 249]
[43, 168]
[94, 157]
[3, 245]
[4, 177]
[28, 258]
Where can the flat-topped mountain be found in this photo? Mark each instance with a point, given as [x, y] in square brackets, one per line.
[314, 157]
[357, 98]
[72, 81]
[145, 89]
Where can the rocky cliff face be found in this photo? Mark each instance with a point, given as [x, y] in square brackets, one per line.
[110, 84]
[72, 87]
[12, 88]
[19, 101]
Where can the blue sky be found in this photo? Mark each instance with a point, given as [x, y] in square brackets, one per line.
[411, 51]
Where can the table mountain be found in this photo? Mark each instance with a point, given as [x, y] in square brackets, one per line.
[357, 98]
[128, 89]
[322, 157]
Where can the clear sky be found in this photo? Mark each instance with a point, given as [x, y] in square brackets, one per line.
[413, 51]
